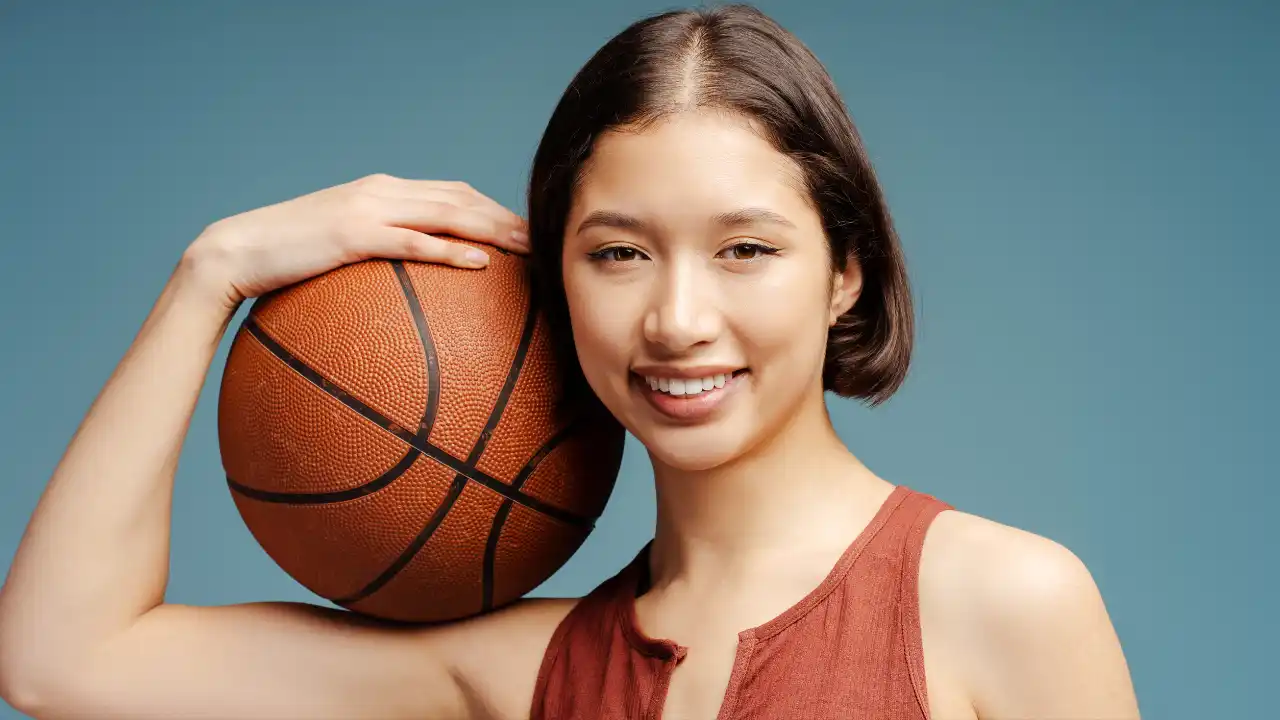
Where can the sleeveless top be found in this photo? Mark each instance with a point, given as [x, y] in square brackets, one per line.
[850, 649]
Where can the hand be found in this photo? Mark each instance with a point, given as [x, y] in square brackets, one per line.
[255, 252]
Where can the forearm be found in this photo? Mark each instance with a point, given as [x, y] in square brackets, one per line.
[95, 555]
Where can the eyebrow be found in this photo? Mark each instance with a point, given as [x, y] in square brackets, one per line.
[742, 217]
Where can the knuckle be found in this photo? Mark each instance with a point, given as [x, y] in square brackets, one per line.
[409, 243]
[435, 207]
[488, 222]
[445, 213]
[373, 180]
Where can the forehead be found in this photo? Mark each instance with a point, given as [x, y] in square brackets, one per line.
[692, 163]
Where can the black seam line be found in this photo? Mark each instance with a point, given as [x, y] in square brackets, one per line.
[491, 556]
[509, 386]
[500, 518]
[336, 496]
[504, 396]
[424, 425]
[428, 349]
[409, 553]
[435, 453]
[459, 480]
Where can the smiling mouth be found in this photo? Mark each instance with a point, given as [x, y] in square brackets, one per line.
[688, 387]
[689, 401]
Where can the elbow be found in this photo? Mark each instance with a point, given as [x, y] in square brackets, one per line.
[15, 676]
[32, 688]
[16, 683]
[20, 694]
[37, 698]
[36, 678]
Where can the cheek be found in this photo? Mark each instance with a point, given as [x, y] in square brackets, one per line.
[782, 318]
[602, 325]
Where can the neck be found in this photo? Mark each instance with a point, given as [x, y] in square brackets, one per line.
[799, 491]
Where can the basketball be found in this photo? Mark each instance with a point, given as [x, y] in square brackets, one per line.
[393, 437]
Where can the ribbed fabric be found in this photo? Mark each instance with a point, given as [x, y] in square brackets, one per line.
[849, 650]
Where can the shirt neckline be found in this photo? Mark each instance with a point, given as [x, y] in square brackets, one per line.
[664, 648]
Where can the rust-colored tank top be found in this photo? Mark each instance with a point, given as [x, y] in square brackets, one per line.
[850, 649]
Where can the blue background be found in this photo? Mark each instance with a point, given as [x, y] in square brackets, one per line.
[1081, 189]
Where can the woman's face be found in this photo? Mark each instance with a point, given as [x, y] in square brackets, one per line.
[699, 287]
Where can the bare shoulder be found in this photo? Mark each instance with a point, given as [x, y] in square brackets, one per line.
[1028, 618]
[995, 570]
[495, 657]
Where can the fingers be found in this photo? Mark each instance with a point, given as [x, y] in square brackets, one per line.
[498, 208]
[403, 244]
[470, 198]
[454, 192]
[464, 194]
[436, 216]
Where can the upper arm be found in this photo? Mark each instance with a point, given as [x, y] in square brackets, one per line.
[1030, 620]
[279, 660]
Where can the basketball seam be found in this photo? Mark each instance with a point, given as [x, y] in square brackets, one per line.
[406, 556]
[504, 397]
[477, 450]
[419, 444]
[504, 511]
[428, 348]
[437, 454]
[331, 497]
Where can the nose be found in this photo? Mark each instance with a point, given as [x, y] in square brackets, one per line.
[683, 311]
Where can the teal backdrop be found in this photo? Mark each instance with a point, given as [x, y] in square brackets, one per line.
[1082, 189]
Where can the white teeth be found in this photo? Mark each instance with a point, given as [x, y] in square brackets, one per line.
[688, 386]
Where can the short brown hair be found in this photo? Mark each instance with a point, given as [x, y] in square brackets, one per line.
[735, 58]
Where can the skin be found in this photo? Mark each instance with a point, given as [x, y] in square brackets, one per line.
[1013, 624]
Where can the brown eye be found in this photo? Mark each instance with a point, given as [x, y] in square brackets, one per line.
[748, 251]
[619, 253]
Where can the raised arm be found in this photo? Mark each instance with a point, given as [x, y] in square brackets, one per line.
[84, 629]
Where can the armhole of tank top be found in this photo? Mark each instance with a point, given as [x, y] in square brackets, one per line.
[909, 598]
[550, 654]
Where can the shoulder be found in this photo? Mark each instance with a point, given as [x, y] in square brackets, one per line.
[1026, 615]
[1001, 574]
[496, 656]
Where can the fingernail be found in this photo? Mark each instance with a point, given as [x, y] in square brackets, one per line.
[477, 256]
[520, 237]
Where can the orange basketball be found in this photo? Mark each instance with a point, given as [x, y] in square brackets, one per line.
[392, 438]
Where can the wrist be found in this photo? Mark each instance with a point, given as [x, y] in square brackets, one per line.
[202, 276]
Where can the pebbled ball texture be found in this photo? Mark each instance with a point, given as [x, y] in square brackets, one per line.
[393, 437]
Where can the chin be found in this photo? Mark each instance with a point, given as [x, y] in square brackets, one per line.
[692, 449]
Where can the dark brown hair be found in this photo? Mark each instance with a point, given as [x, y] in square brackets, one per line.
[735, 58]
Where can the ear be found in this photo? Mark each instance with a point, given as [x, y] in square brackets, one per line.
[845, 289]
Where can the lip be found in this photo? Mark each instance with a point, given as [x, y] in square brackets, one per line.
[689, 409]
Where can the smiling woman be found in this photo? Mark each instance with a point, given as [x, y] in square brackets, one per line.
[716, 255]
[694, 285]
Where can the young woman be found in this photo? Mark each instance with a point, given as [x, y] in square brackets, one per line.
[711, 240]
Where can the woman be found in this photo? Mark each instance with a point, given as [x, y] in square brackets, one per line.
[714, 248]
